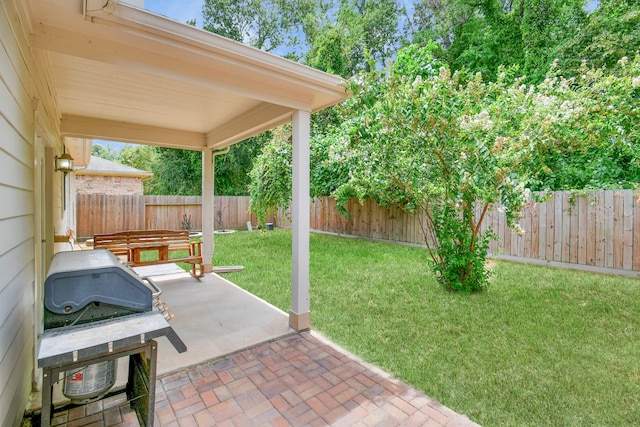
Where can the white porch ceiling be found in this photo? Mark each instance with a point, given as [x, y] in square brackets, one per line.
[125, 74]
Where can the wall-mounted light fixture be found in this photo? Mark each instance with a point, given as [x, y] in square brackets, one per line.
[64, 163]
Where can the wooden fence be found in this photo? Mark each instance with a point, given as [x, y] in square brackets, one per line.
[601, 229]
[99, 213]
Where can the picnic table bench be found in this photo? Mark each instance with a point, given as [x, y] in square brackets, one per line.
[129, 245]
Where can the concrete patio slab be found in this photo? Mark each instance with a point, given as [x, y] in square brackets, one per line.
[214, 318]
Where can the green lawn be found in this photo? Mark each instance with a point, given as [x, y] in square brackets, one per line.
[542, 346]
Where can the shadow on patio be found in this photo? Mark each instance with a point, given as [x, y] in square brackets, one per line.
[245, 367]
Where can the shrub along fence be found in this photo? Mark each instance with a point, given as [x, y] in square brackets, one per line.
[601, 229]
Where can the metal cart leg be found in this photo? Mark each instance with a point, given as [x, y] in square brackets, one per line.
[47, 398]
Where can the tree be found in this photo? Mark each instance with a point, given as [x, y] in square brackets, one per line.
[484, 35]
[141, 157]
[452, 143]
[611, 31]
[232, 169]
[106, 152]
[603, 138]
[437, 20]
[177, 172]
[426, 141]
[270, 186]
[266, 25]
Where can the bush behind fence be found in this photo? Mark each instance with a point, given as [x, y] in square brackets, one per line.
[601, 229]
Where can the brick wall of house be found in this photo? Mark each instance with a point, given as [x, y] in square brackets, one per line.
[92, 184]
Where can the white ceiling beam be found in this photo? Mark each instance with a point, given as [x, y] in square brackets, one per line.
[255, 121]
[87, 127]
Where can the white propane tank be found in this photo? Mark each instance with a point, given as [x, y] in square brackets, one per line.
[92, 382]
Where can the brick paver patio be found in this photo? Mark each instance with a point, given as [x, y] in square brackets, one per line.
[299, 380]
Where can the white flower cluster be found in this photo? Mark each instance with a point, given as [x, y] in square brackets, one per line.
[445, 73]
[518, 230]
[479, 122]
[635, 82]
[569, 109]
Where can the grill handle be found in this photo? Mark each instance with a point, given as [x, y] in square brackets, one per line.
[157, 291]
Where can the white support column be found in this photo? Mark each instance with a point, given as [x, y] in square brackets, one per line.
[207, 209]
[300, 314]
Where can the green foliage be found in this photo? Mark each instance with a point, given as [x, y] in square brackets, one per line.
[177, 172]
[453, 145]
[270, 186]
[364, 33]
[610, 32]
[141, 157]
[106, 152]
[482, 36]
[590, 123]
[328, 53]
[428, 145]
[266, 25]
[437, 20]
[545, 25]
[232, 169]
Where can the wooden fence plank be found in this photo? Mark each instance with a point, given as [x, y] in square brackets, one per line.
[542, 241]
[600, 229]
[582, 203]
[565, 230]
[618, 229]
[551, 211]
[592, 212]
[557, 225]
[574, 233]
[608, 228]
[636, 232]
[535, 233]
[627, 229]
[528, 213]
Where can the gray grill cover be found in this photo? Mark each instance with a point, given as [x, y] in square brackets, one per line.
[78, 278]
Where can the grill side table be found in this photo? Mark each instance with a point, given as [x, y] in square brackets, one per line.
[73, 347]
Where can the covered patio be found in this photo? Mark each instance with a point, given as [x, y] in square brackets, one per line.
[122, 73]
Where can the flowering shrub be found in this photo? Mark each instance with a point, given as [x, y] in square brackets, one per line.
[453, 146]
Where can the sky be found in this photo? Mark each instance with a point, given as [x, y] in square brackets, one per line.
[180, 10]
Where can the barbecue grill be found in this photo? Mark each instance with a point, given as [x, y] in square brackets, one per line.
[96, 310]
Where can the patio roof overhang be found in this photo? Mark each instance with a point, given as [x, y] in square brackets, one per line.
[122, 73]
[126, 74]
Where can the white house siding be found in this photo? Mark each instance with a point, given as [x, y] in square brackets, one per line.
[21, 81]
